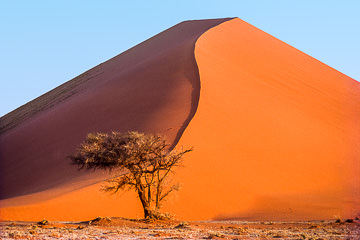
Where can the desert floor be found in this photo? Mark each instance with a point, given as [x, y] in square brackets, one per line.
[121, 228]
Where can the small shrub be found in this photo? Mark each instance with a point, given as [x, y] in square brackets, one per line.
[43, 222]
[339, 221]
[213, 235]
[182, 225]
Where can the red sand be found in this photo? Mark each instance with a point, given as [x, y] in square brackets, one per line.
[276, 132]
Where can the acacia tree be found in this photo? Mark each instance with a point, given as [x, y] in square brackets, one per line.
[144, 162]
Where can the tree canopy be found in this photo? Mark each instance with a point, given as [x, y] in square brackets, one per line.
[140, 162]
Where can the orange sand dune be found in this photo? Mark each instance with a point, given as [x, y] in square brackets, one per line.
[153, 87]
[276, 132]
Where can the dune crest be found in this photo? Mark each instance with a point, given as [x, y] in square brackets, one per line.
[276, 133]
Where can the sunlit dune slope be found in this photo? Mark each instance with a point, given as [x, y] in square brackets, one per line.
[276, 133]
[153, 87]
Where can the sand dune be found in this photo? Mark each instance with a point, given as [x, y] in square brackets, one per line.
[283, 129]
[276, 132]
[153, 87]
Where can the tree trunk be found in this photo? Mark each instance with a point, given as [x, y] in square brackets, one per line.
[145, 204]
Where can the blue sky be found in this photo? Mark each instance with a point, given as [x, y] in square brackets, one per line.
[46, 43]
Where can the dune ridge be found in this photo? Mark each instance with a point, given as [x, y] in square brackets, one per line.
[276, 132]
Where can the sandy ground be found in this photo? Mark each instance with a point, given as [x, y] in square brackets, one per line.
[121, 228]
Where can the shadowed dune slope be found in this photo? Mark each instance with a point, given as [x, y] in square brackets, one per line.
[276, 132]
[153, 87]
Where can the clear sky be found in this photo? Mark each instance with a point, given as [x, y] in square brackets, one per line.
[45, 43]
